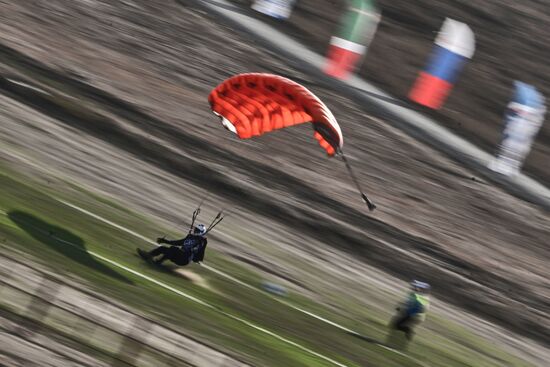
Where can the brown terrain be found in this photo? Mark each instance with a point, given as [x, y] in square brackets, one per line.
[119, 104]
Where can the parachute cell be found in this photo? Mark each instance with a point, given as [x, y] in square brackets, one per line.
[255, 103]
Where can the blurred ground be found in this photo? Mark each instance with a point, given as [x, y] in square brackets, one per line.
[124, 111]
[511, 45]
[49, 321]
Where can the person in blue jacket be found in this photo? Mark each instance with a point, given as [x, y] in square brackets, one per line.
[413, 311]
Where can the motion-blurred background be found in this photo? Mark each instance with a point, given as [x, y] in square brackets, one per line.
[107, 141]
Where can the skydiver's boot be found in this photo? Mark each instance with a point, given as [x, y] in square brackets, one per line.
[144, 255]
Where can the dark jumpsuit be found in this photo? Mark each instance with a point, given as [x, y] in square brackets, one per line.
[181, 252]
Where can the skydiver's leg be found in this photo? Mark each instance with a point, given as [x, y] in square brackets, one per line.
[174, 254]
[161, 250]
[161, 259]
[178, 256]
[144, 254]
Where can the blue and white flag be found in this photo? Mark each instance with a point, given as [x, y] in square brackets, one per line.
[524, 118]
[280, 9]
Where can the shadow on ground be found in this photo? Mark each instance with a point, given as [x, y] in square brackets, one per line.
[66, 243]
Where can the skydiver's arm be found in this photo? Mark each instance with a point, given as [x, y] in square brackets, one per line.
[171, 242]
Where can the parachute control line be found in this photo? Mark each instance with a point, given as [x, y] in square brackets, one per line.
[367, 201]
[254, 104]
[217, 219]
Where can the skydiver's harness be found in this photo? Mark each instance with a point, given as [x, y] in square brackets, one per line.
[192, 244]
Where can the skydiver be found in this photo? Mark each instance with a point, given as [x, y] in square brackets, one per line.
[181, 252]
[190, 248]
[413, 311]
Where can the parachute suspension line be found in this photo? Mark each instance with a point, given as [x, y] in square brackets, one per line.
[367, 201]
[195, 216]
[215, 221]
[219, 217]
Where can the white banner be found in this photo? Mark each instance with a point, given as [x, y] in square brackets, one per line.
[280, 9]
[524, 118]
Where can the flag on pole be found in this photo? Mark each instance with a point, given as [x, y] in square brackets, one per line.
[454, 45]
[524, 117]
[280, 9]
[358, 27]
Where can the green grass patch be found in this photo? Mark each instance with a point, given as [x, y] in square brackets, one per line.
[63, 239]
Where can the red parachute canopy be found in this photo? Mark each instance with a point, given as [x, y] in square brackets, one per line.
[254, 104]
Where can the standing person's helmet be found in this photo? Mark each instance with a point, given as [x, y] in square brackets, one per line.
[418, 286]
[200, 230]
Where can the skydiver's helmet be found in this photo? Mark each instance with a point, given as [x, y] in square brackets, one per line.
[420, 287]
[199, 230]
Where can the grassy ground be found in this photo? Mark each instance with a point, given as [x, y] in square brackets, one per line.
[33, 220]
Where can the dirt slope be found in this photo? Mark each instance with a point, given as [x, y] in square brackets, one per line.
[511, 40]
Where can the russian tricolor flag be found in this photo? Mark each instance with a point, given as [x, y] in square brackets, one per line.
[454, 45]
